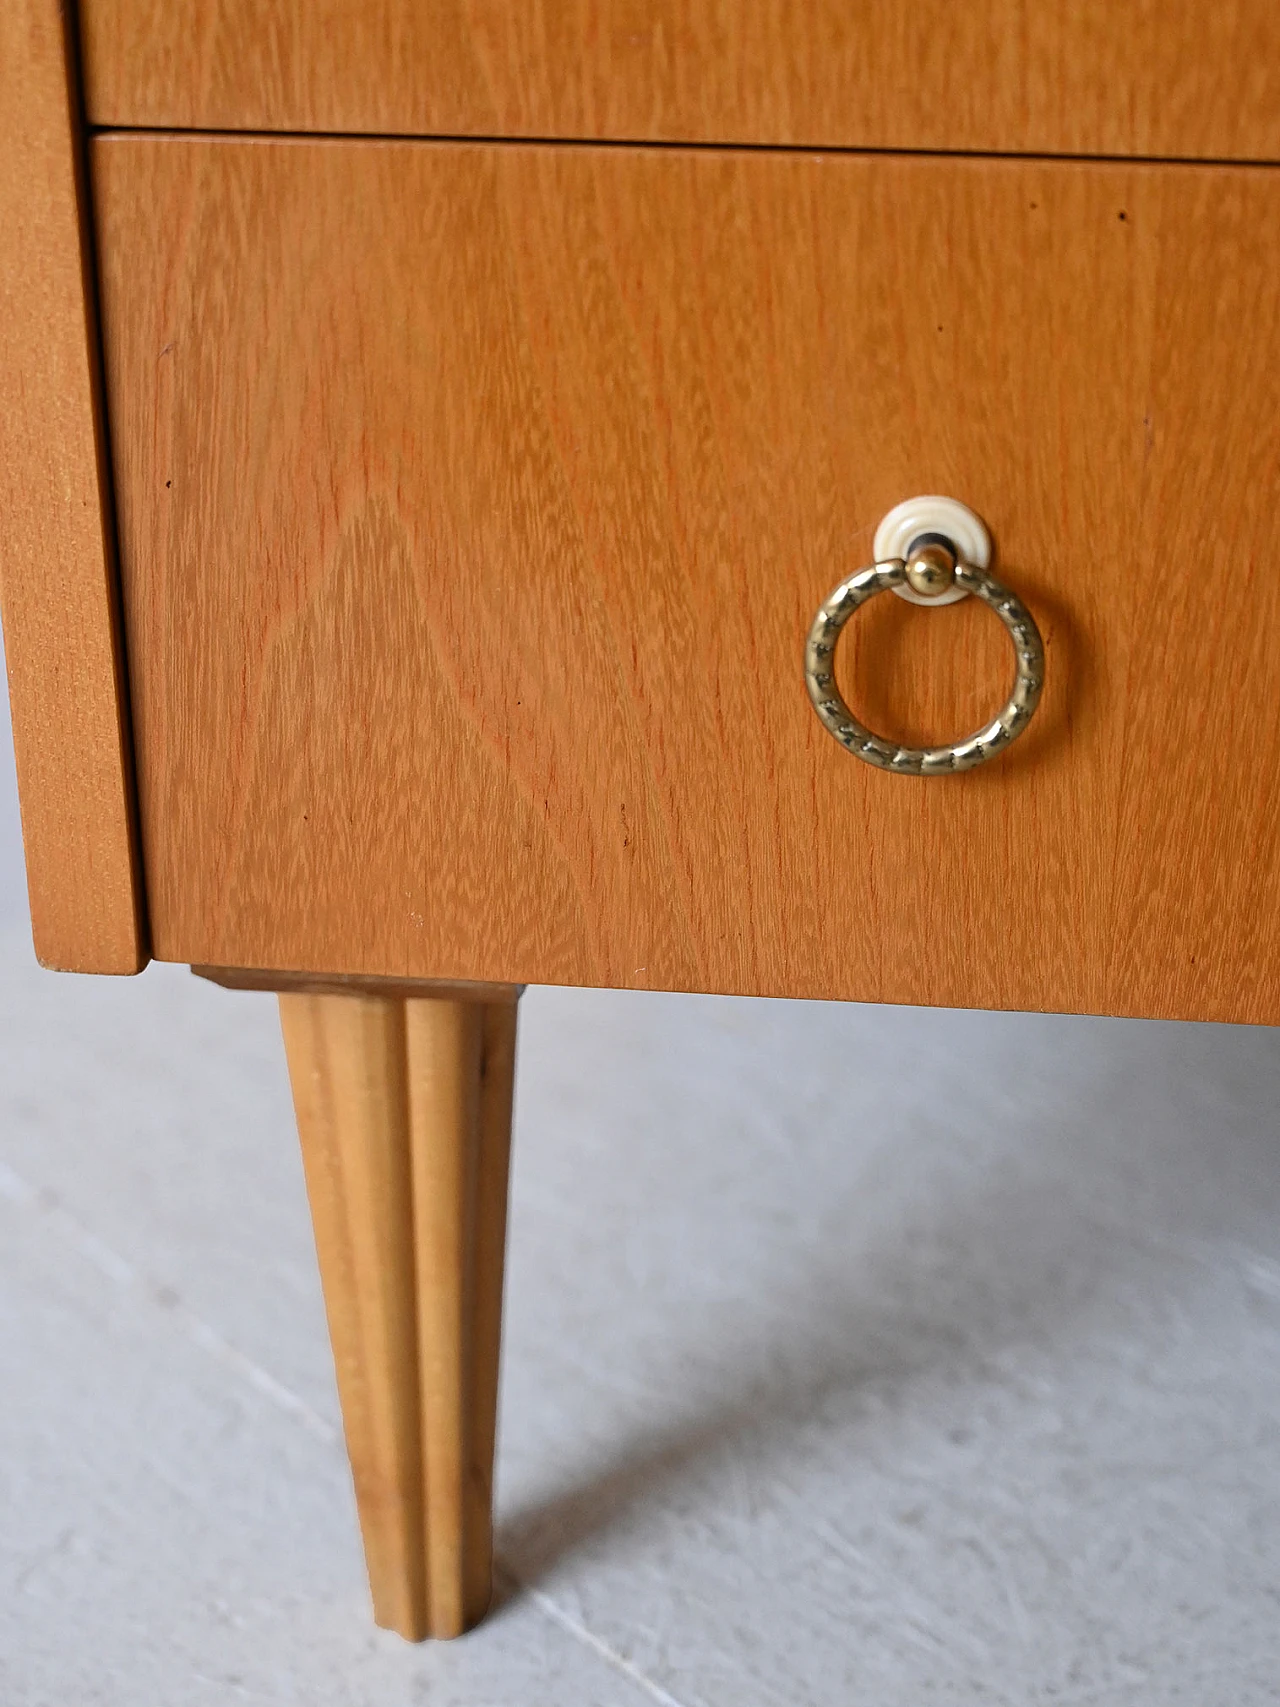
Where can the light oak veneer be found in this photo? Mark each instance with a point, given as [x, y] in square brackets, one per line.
[475, 501]
[57, 547]
[1148, 77]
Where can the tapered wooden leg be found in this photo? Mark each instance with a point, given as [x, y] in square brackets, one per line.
[350, 1090]
[404, 1114]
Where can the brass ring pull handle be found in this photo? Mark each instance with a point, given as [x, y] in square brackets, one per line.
[931, 570]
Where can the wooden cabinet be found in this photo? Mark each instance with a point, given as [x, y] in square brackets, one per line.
[475, 502]
[471, 501]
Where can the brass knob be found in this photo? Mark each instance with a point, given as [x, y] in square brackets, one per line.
[931, 568]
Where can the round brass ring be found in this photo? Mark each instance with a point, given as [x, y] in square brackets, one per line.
[975, 749]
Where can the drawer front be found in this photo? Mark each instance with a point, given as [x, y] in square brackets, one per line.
[1189, 78]
[475, 502]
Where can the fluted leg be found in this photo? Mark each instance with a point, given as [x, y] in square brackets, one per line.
[404, 1114]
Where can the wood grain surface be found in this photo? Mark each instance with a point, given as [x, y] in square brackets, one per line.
[475, 502]
[351, 1094]
[404, 1116]
[1182, 77]
[56, 530]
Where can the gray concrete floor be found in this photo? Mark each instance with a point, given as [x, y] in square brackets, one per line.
[853, 1356]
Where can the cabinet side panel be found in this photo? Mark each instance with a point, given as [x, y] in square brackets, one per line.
[56, 558]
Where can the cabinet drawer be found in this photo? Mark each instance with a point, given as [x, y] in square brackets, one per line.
[475, 502]
[1190, 78]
